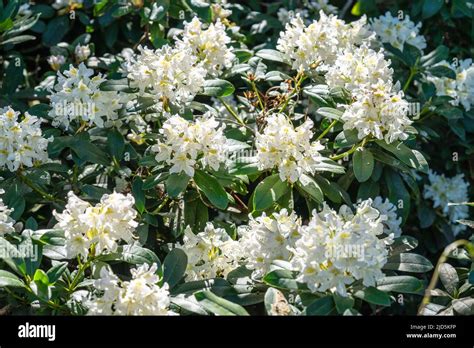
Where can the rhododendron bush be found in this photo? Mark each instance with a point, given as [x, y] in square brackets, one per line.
[236, 157]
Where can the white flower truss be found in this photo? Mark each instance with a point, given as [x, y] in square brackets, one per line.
[397, 32]
[6, 222]
[443, 190]
[338, 248]
[461, 88]
[21, 140]
[268, 238]
[186, 144]
[318, 44]
[76, 96]
[98, 227]
[208, 45]
[139, 296]
[211, 253]
[167, 73]
[378, 108]
[287, 148]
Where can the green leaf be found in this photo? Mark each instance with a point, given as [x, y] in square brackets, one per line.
[402, 244]
[431, 7]
[330, 113]
[115, 144]
[322, 306]
[402, 284]
[272, 55]
[363, 164]
[283, 279]
[442, 71]
[374, 296]
[55, 272]
[174, 267]
[426, 215]
[346, 138]
[176, 183]
[202, 9]
[311, 187]
[138, 194]
[212, 189]
[56, 29]
[137, 255]
[408, 262]
[218, 88]
[343, 303]
[120, 85]
[464, 306]
[217, 305]
[449, 277]
[268, 191]
[408, 156]
[397, 193]
[437, 55]
[40, 276]
[8, 279]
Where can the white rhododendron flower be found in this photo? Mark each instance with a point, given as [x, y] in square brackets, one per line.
[82, 52]
[167, 73]
[319, 43]
[397, 32]
[443, 190]
[268, 238]
[461, 88]
[101, 226]
[211, 253]
[338, 248]
[21, 140]
[186, 144]
[377, 110]
[208, 45]
[381, 115]
[360, 69]
[391, 220]
[288, 148]
[77, 97]
[56, 62]
[139, 296]
[6, 222]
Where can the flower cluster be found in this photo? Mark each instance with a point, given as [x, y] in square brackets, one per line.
[442, 191]
[167, 74]
[338, 248]
[139, 296]
[76, 96]
[268, 238]
[318, 44]
[6, 222]
[461, 89]
[21, 141]
[98, 228]
[378, 108]
[188, 143]
[288, 148]
[211, 253]
[397, 32]
[208, 45]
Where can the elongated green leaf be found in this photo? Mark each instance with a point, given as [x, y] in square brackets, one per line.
[8, 279]
[174, 267]
[408, 262]
[269, 191]
[363, 164]
[402, 284]
[283, 279]
[212, 189]
[176, 183]
[270, 54]
[330, 113]
[217, 305]
[373, 295]
[311, 187]
[322, 306]
[218, 88]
